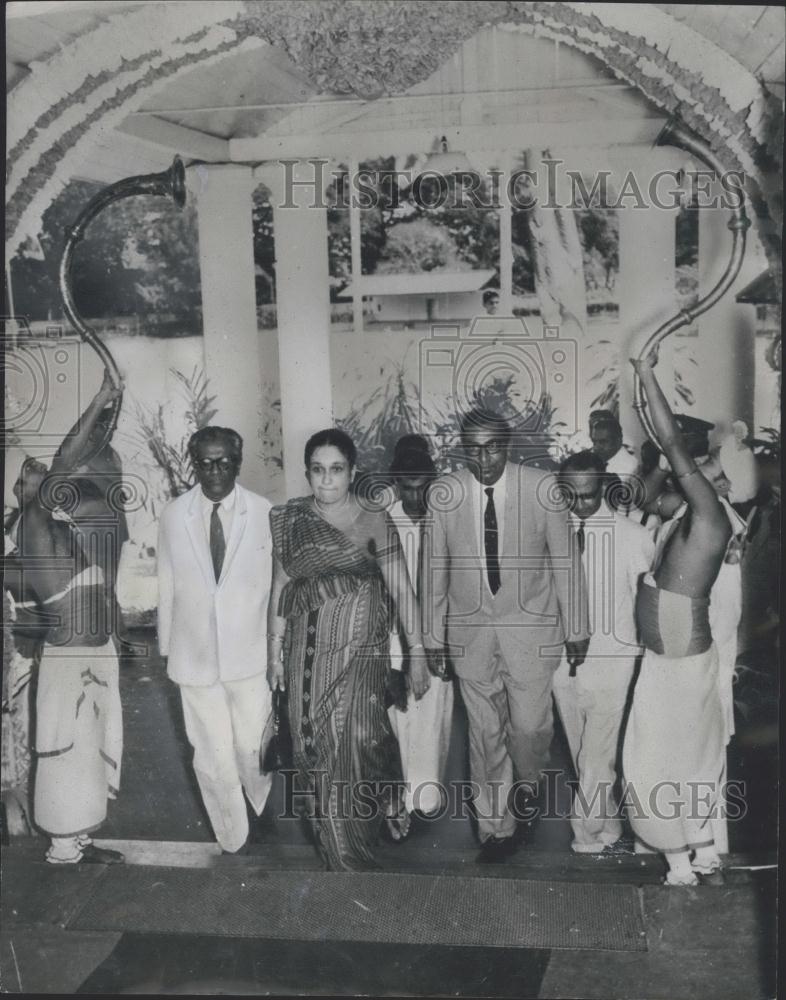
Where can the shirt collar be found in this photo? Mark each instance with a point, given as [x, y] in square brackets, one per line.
[498, 487]
[738, 526]
[227, 504]
[601, 515]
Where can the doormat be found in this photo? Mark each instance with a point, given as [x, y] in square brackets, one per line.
[378, 906]
[195, 965]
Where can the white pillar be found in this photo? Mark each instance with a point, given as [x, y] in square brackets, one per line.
[229, 315]
[303, 311]
[726, 347]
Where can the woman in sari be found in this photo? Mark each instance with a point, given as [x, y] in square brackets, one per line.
[334, 565]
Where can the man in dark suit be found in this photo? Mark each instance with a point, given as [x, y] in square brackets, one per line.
[503, 589]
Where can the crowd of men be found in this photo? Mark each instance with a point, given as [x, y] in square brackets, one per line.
[535, 590]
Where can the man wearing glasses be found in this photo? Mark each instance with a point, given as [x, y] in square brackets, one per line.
[214, 570]
[502, 593]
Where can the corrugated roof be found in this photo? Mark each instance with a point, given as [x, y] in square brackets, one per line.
[427, 283]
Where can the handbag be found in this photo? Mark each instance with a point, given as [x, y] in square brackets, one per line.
[277, 756]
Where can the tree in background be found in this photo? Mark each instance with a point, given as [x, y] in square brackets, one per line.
[473, 228]
[599, 235]
[374, 221]
[419, 245]
[400, 234]
[138, 258]
[264, 247]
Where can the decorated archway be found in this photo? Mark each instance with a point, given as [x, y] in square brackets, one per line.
[59, 112]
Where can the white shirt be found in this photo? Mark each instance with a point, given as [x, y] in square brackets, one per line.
[480, 500]
[617, 551]
[409, 536]
[226, 512]
[622, 463]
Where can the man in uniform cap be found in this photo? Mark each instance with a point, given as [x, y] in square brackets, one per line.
[606, 436]
[696, 433]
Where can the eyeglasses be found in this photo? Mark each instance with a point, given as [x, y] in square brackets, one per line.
[206, 464]
[491, 448]
[571, 496]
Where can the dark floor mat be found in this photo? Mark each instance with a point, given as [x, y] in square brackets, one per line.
[41, 893]
[186, 964]
[383, 907]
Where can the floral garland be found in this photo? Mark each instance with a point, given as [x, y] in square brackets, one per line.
[347, 46]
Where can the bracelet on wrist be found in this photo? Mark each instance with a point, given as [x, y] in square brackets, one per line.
[690, 472]
[274, 637]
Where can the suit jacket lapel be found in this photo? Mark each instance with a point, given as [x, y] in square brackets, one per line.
[473, 525]
[238, 527]
[511, 544]
[196, 532]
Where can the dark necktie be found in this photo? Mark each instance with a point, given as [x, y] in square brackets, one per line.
[218, 545]
[491, 538]
[580, 536]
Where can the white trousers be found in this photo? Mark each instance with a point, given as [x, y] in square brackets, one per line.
[225, 724]
[423, 734]
[590, 706]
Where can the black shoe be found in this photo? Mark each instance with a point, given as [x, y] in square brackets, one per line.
[527, 807]
[495, 850]
[242, 850]
[525, 830]
[92, 855]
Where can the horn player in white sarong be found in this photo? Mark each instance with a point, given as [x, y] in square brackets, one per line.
[62, 581]
[677, 729]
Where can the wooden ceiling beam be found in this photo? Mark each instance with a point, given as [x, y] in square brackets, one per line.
[186, 141]
[555, 135]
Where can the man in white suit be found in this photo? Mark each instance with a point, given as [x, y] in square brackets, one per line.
[501, 587]
[214, 570]
[615, 552]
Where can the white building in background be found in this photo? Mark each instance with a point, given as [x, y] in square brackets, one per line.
[411, 298]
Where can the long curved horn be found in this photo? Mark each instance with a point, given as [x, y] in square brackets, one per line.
[171, 183]
[674, 134]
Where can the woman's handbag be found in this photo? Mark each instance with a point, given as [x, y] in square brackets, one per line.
[277, 756]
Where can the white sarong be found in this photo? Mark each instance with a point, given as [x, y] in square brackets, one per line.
[79, 738]
[673, 752]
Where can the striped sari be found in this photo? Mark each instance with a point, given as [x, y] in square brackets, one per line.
[336, 657]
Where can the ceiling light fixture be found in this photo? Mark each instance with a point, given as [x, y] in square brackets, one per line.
[444, 162]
